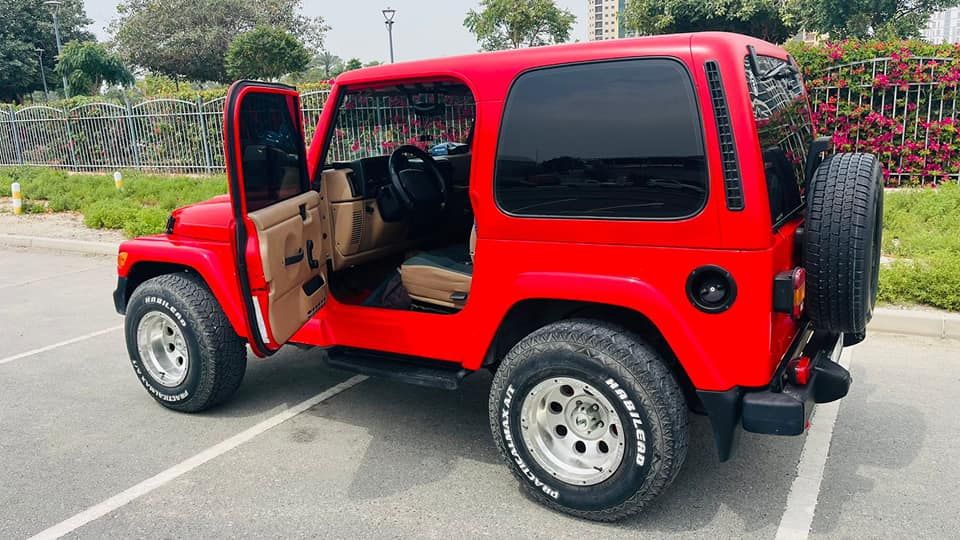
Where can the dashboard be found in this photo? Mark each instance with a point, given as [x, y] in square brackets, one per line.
[372, 173]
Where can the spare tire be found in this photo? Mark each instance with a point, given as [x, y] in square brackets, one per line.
[842, 236]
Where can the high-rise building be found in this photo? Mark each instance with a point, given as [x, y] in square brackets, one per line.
[605, 21]
[943, 26]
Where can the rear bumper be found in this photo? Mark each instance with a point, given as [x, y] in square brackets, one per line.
[782, 408]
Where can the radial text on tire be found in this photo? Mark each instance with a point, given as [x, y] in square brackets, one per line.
[181, 345]
[589, 418]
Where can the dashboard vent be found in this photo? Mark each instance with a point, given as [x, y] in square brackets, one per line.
[357, 230]
[728, 150]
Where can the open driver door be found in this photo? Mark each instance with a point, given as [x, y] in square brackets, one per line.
[280, 251]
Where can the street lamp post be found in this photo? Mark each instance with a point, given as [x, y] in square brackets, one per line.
[43, 75]
[54, 6]
[388, 14]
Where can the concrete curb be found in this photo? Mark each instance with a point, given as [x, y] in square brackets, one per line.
[58, 244]
[916, 323]
[894, 321]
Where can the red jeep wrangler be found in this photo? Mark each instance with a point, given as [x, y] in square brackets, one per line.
[621, 231]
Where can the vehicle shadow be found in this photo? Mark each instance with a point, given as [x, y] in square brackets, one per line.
[885, 435]
[422, 433]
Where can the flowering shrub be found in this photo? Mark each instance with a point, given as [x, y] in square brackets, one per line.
[897, 100]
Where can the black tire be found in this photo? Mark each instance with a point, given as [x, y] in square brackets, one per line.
[853, 339]
[842, 242]
[627, 372]
[217, 356]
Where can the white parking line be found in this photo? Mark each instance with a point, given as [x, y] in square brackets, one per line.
[802, 500]
[94, 512]
[58, 345]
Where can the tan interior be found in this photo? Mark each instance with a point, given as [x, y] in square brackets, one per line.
[434, 285]
[437, 285]
[359, 233]
[282, 233]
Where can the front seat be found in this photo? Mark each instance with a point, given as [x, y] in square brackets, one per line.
[441, 276]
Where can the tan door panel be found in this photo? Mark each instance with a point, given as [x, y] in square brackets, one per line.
[283, 232]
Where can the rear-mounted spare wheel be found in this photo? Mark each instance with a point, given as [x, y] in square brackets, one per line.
[842, 242]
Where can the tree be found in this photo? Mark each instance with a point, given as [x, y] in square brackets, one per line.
[887, 19]
[26, 25]
[771, 20]
[353, 63]
[87, 65]
[511, 24]
[190, 38]
[265, 53]
[329, 63]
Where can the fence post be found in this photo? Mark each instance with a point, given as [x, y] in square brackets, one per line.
[204, 134]
[16, 135]
[133, 133]
[70, 141]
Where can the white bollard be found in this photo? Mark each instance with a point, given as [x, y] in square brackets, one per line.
[17, 198]
[118, 180]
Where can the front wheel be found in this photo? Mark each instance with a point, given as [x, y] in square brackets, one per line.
[589, 419]
[181, 344]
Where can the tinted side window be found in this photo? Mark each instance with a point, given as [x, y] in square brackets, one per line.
[783, 126]
[273, 161]
[619, 139]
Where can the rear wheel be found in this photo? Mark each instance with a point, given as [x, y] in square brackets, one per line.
[589, 419]
[181, 344]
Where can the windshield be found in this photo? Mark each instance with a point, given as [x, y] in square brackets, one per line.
[437, 118]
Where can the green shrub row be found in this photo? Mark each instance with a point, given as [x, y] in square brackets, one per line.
[922, 233]
[141, 207]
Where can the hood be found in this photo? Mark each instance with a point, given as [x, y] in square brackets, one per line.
[207, 220]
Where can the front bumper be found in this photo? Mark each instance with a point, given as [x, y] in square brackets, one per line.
[120, 296]
[782, 408]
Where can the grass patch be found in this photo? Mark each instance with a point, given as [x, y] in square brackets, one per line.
[141, 207]
[921, 226]
[922, 230]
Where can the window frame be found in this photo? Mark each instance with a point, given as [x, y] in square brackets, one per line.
[297, 120]
[697, 109]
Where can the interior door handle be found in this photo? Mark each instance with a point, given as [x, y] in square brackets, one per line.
[293, 259]
[313, 262]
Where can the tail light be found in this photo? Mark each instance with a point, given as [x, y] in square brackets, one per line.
[790, 291]
[799, 370]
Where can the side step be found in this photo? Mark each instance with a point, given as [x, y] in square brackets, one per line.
[430, 373]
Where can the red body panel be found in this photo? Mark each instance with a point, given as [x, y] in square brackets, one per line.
[640, 265]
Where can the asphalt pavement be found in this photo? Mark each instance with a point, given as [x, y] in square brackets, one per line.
[83, 447]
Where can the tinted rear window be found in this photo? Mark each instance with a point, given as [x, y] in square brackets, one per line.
[618, 139]
[783, 125]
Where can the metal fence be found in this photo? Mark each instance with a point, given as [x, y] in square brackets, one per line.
[170, 135]
[896, 108]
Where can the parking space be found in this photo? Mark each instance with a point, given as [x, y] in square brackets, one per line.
[385, 459]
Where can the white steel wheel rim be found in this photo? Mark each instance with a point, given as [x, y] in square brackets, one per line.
[163, 349]
[572, 431]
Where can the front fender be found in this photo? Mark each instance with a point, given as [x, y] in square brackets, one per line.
[637, 295]
[212, 261]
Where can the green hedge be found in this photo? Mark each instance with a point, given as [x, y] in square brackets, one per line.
[141, 207]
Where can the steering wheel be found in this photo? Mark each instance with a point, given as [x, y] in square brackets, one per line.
[418, 190]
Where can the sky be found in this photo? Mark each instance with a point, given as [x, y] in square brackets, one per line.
[423, 29]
